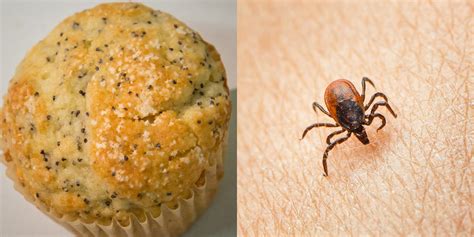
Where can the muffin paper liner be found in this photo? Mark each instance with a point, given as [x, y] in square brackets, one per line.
[170, 222]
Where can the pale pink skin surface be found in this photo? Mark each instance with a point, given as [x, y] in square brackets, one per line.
[416, 175]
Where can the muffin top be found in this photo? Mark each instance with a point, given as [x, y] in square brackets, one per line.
[118, 110]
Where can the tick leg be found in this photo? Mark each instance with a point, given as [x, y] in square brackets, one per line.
[318, 106]
[329, 148]
[383, 103]
[378, 94]
[376, 115]
[365, 79]
[318, 125]
[328, 139]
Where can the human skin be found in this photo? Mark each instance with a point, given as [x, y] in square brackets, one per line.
[416, 175]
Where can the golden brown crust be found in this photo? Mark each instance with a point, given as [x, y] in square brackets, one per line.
[119, 108]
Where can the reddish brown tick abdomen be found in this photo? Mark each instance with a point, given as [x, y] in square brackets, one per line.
[337, 92]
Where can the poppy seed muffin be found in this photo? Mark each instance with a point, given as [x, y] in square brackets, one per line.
[119, 111]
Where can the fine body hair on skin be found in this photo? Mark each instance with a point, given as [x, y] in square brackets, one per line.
[416, 175]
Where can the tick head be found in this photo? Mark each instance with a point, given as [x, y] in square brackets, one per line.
[361, 135]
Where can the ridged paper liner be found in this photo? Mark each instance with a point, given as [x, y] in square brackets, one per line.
[170, 222]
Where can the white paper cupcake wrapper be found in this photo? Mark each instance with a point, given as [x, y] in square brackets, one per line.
[171, 222]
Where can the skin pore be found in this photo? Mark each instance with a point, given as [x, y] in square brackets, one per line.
[416, 175]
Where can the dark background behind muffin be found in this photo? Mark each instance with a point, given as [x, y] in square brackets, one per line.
[25, 23]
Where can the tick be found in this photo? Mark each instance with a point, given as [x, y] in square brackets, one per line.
[347, 108]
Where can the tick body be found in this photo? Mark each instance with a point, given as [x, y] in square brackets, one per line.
[346, 107]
